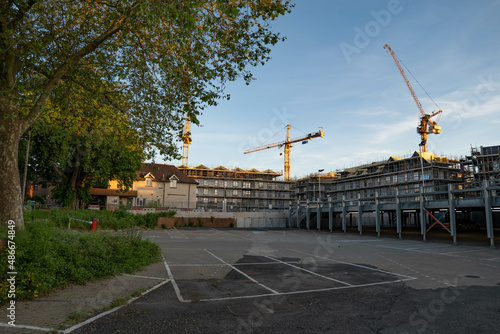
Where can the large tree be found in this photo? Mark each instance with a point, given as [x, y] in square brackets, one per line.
[78, 142]
[165, 56]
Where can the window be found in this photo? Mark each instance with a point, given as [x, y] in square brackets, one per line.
[235, 192]
[235, 183]
[246, 192]
[215, 192]
[246, 184]
[173, 182]
[205, 191]
[149, 182]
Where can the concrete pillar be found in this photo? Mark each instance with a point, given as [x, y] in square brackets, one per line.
[423, 225]
[360, 212]
[330, 215]
[453, 216]
[344, 215]
[298, 214]
[398, 214]
[377, 214]
[488, 214]
[290, 212]
[308, 215]
[318, 217]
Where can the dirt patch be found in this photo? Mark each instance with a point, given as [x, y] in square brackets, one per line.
[196, 222]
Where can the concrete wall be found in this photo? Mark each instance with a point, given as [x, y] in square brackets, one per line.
[243, 219]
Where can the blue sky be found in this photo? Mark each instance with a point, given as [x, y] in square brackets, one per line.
[332, 72]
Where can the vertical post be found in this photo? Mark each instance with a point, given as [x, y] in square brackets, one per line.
[290, 212]
[344, 215]
[93, 227]
[377, 214]
[330, 215]
[398, 213]
[360, 225]
[318, 217]
[453, 216]
[308, 215]
[423, 225]
[298, 214]
[488, 214]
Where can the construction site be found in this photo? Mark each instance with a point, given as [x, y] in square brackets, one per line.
[419, 192]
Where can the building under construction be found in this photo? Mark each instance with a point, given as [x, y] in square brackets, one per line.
[223, 189]
[381, 178]
[483, 163]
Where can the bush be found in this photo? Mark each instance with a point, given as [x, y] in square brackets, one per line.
[48, 257]
[116, 220]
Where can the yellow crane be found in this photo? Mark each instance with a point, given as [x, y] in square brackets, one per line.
[186, 138]
[427, 125]
[287, 144]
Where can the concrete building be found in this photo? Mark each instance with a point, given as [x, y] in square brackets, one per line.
[382, 177]
[223, 189]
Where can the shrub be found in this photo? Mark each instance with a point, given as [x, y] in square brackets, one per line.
[48, 257]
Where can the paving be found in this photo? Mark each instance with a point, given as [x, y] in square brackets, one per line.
[284, 281]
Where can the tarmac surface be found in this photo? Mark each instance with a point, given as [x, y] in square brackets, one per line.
[283, 281]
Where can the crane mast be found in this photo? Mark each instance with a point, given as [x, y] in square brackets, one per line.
[427, 125]
[186, 138]
[287, 144]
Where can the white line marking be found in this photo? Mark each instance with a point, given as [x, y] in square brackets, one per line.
[221, 265]
[494, 259]
[176, 288]
[236, 269]
[150, 277]
[467, 251]
[309, 271]
[309, 291]
[100, 315]
[27, 327]
[355, 265]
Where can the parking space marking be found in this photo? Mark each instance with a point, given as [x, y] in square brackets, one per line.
[310, 291]
[467, 251]
[309, 271]
[100, 315]
[174, 284]
[354, 264]
[239, 271]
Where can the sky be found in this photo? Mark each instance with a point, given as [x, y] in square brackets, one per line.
[332, 72]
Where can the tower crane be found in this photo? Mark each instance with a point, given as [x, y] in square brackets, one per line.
[427, 125]
[186, 138]
[287, 144]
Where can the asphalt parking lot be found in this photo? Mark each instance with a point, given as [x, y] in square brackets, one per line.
[296, 281]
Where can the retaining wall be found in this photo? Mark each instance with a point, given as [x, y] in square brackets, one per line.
[243, 219]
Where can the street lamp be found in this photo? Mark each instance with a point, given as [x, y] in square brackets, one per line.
[422, 144]
[319, 184]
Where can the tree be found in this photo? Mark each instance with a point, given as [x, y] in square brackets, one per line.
[78, 142]
[165, 57]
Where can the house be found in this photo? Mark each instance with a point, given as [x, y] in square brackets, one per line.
[157, 186]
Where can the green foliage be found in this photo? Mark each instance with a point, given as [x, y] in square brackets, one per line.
[78, 143]
[48, 257]
[106, 220]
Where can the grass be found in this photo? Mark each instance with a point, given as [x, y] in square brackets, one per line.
[48, 257]
[116, 220]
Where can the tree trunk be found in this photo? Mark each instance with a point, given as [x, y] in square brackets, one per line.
[11, 199]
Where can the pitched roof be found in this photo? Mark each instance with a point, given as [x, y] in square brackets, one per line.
[163, 173]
